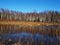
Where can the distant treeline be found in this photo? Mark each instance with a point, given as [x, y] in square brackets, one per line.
[48, 16]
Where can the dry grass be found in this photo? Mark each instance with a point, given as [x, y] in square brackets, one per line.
[26, 23]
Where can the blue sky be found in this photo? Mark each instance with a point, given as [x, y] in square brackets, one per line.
[30, 5]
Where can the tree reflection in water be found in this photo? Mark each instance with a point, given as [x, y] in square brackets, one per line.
[29, 39]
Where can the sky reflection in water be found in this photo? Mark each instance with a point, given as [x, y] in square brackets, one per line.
[36, 37]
